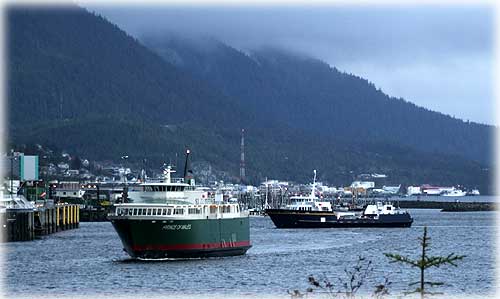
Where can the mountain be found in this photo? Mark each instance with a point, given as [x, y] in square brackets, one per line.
[80, 83]
[308, 94]
[66, 63]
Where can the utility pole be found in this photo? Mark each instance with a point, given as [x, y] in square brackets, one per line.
[242, 157]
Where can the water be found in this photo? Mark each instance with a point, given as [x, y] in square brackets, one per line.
[90, 262]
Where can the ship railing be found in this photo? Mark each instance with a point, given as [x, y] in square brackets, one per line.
[162, 180]
[218, 211]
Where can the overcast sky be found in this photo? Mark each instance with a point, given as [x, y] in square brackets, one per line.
[438, 57]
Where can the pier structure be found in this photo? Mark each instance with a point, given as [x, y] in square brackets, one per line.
[51, 218]
[21, 220]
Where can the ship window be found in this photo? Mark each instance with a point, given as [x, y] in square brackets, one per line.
[135, 212]
[154, 212]
[389, 208]
[194, 211]
[169, 211]
[139, 212]
[213, 209]
[164, 211]
[178, 211]
[148, 211]
[130, 212]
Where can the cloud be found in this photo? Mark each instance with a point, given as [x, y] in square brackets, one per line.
[439, 57]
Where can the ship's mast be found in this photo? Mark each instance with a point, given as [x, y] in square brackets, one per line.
[168, 171]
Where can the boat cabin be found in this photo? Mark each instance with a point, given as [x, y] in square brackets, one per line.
[177, 211]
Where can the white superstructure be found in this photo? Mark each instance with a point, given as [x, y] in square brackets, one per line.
[168, 190]
[310, 202]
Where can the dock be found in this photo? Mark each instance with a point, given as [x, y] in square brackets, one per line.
[23, 221]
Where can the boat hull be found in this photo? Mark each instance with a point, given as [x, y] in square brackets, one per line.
[283, 218]
[186, 238]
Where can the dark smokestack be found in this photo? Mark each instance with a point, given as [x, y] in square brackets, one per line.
[188, 173]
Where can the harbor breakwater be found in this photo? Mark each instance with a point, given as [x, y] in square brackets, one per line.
[447, 206]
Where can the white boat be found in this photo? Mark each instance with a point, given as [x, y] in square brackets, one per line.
[432, 191]
[455, 193]
[473, 192]
[391, 189]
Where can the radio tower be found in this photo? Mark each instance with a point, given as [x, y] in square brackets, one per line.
[242, 160]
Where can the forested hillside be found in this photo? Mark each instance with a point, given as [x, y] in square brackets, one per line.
[65, 63]
[307, 93]
[80, 83]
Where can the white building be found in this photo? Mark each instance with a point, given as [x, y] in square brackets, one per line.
[363, 184]
[412, 190]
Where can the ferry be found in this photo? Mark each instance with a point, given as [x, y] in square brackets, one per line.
[311, 212]
[173, 219]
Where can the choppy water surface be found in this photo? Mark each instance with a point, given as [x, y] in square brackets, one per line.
[90, 260]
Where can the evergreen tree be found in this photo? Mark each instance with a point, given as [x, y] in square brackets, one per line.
[425, 262]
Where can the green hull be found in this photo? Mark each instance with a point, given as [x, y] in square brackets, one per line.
[183, 238]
